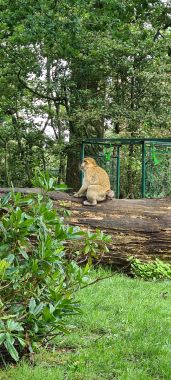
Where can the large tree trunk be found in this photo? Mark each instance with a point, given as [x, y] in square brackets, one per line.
[80, 128]
[73, 162]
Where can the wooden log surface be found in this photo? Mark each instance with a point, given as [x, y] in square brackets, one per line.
[139, 227]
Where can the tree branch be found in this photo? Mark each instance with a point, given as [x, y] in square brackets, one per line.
[39, 94]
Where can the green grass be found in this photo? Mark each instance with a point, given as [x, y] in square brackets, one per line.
[123, 334]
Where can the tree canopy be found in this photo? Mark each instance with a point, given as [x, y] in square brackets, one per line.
[75, 69]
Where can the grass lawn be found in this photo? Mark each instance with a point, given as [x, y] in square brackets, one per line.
[123, 334]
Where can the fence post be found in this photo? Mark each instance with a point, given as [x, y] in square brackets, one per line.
[81, 158]
[143, 170]
[118, 173]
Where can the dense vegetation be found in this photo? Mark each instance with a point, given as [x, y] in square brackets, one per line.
[37, 282]
[72, 69]
[123, 334]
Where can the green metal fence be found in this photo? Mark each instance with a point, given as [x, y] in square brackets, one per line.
[136, 167]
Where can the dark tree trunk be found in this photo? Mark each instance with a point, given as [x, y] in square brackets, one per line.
[84, 107]
[73, 162]
[117, 127]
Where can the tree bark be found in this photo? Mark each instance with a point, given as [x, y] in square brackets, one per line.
[140, 228]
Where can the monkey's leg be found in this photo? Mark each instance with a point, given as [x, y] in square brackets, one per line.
[101, 197]
[94, 193]
[91, 196]
[87, 203]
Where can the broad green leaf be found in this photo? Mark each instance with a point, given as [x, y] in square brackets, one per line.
[2, 337]
[23, 253]
[51, 183]
[38, 308]
[14, 326]
[21, 341]
[32, 305]
[2, 325]
[5, 199]
[9, 344]
[3, 266]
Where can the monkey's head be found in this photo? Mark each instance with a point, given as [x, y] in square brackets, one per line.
[88, 162]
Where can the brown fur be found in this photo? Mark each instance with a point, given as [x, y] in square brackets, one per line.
[96, 183]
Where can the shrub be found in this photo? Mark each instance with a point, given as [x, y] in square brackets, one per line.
[37, 283]
[155, 270]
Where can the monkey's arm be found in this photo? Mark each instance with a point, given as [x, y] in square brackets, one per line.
[82, 191]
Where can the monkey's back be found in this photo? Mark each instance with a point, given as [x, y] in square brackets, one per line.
[97, 176]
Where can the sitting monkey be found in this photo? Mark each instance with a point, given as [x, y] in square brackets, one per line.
[96, 183]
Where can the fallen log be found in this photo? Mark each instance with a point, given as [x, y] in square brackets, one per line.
[138, 227]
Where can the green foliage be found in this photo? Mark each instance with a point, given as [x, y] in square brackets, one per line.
[155, 270]
[46, 182]
[124, 334]
[79, 69]
[158, 174]
[37, 283]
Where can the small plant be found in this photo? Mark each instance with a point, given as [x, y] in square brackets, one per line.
[155, 270]
[37, 282]
[46, 182]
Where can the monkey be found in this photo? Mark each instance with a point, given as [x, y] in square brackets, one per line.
[96, 183]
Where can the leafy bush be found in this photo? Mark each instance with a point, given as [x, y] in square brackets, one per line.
[47, 182]
[155, 270]
[37, 283]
